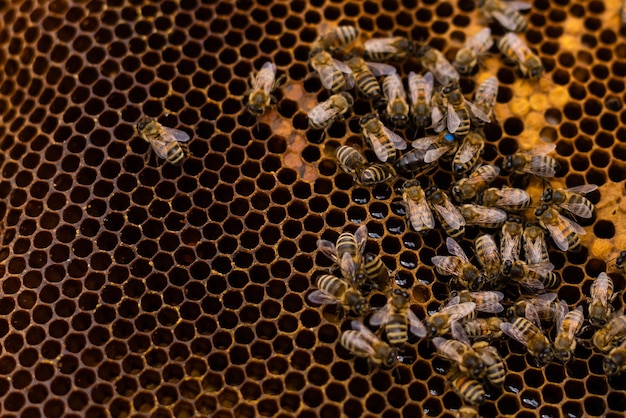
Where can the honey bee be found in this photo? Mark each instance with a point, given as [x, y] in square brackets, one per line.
[572, 199]
[474, 48]
[375, 174]
[469, 389]
[329, 110]
[467, 412]
[483, 216]
[365, 73]
[350, 160]
[486, 301]
[458, 112]
[383, 140]
[533, 277]
[333, 290]
[615, 362]
[461, 355]
[331, 71]
[568, 324]
[506, 13]
[488, 256]
[449, 216]
[459, 266]
[164, 141]
[417, 210]
[468, 153]
[385, 49]
[540, 308]
[564, 232]
[532, 161]
[611, 334]
[362, 342]
[436, 146]
[436, 63]
[535, 247]
[508, 198]
[376, 272]
[348, 253]
[397, 106]
[397, 318]
[413, 162]
[478, 329]
[600, 308]
[494, 365]
[336, 38]
[485, 97]
[421, 92]
[440, 322]
[262, 86]
[467, 188]
[516, 50]
[525, 332]
[510, 241]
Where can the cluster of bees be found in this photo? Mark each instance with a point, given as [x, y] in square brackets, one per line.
[453, 132]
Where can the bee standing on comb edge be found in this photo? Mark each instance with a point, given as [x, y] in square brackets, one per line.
[165, 142]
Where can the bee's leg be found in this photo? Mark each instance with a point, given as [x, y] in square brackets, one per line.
[185, 148]
[280, 81]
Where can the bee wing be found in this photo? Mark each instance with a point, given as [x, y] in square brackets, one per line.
[328, 249]
[172, 135]
[488, 215]
[559, 238]
[380, 45]
[348, 268]
[361, 344]
[533, 250]
[491, 306]
[433, 155]
[446, 350]
[397, 141]
[459, 334]
[573, 225]
[440, 261]
[468, 149]
[360, 236]
[359, 326]
[450, 214]
[483, 38]
[327, 75]
[268, 67]
[453, 121]
[518, 5]
[504, 20]
[341, 66]
[541, 268]
[438, 119]
[381, 316]
[379, 69]
[413, 90]
[377, 146]
[459, 311]
[576, 318]
[578, 209]
[513, 332]
[477, 112]
[321, 298]
[429, 85]
[424, 143]
[510, 196]
[415, 325]
[425, 216]
[533, 286]
[532, 314]
[561, 312]
[487, 173]
[600, 287]
[455, 249]
[544, 300]
[159, 147]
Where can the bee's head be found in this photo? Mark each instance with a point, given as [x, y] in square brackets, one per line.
[141, 125]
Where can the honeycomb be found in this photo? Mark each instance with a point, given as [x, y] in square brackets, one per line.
[138, 288]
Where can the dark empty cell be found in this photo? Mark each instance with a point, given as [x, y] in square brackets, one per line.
[569, 130]
[604, 229]
[515, 126]
[600, 158]
[594, 405]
